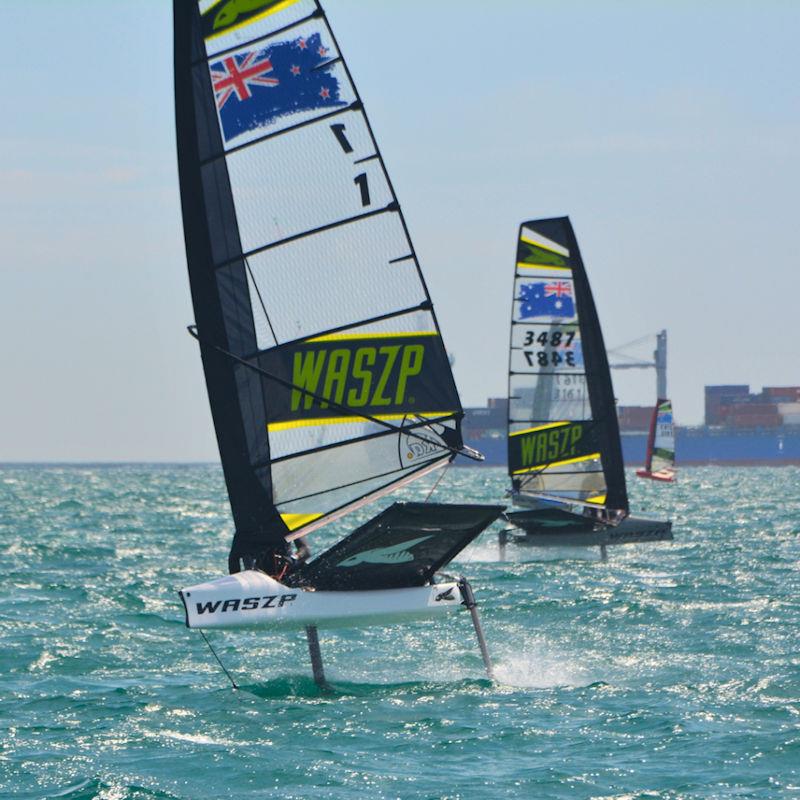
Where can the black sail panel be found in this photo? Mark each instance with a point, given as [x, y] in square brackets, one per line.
[563, 436]
[327, 376]
[599, 384]
[221, 315]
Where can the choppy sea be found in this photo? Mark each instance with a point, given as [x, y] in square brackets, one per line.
[670, 671]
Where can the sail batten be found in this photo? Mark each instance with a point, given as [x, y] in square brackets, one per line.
[563, 437]
[424, 306]
[391, 207]
[355, 106]
[313, 12]
[326, 372]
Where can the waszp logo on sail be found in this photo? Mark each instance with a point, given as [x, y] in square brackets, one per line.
[541, 447]
[356, 377]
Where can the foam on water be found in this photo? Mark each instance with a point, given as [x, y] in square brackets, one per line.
[535, 668]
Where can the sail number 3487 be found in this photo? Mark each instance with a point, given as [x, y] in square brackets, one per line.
[559, 353]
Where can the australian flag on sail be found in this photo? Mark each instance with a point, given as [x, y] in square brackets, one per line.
[547, 299]
[255, 88]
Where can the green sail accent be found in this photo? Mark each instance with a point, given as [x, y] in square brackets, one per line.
[228, 14]
[528, 253]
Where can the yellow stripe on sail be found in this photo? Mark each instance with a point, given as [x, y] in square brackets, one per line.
[520, 265]
[295, 521]
[274, 427]
[551, 464]
[273, 9]
[342, 337]
[540, 428]
[600, 499]
[558, 251]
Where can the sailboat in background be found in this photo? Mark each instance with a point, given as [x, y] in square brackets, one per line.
[327, 377]
[564, 450]
[660, 460]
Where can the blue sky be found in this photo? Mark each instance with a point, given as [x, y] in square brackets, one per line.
[667, 131]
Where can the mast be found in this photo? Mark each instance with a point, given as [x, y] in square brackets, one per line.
[651, 438]
[211, 231]
[660, 358]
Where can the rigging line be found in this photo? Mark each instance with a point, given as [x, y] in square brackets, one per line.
[260, 298]
[438, 481]
[214, 653]
[331, 403]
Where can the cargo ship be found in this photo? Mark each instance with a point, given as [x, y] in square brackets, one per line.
[741, 428]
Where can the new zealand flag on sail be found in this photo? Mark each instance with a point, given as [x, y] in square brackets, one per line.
[547, 299]
[255, 88]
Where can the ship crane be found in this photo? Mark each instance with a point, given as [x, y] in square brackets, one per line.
[659, 362]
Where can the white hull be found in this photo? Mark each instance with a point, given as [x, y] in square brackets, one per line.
[254, 600]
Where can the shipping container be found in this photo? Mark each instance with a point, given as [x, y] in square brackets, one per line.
[754, 409]
[755, 420]
[792, 393]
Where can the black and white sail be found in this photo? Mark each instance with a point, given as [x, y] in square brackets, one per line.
[563, 435]
[326, 372]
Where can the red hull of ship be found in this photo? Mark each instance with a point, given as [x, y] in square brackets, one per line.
[664, 477]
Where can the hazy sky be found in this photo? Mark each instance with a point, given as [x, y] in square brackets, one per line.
[668, 131]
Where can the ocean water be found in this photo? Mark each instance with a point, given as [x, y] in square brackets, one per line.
[670, 671]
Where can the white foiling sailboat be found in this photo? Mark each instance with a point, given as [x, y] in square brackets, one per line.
[327, 377]
[660, 459]
[564, 450]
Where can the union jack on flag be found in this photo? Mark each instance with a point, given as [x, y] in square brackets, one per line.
[239, 74]
[552, 299]
[558, 289]
[262, 89]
